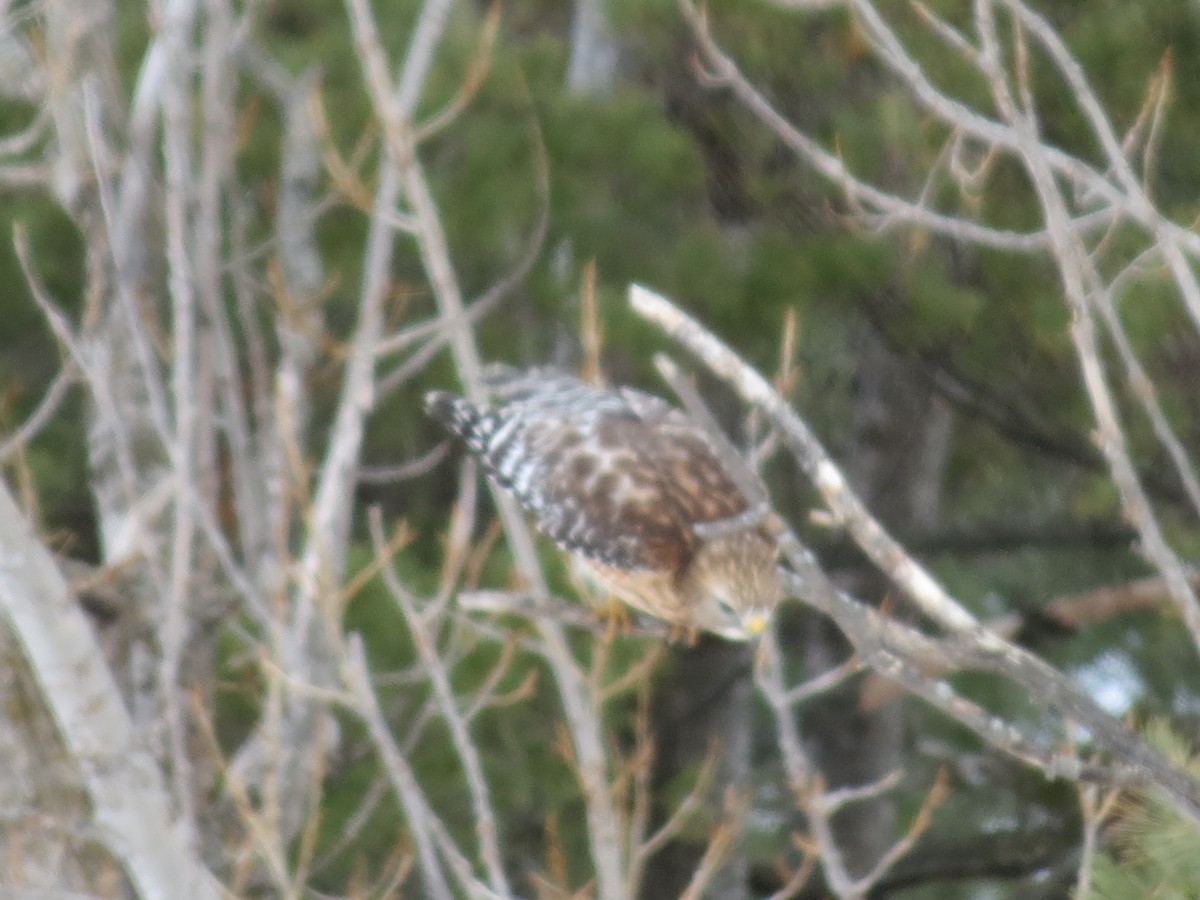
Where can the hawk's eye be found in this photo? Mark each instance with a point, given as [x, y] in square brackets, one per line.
[728, 610]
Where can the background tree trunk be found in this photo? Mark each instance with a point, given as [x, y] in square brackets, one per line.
[895, 462]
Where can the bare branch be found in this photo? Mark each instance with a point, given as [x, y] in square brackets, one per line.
[888, 646]
[448, 706]
[67, 376]
[848, 510]
[403, 780]
[130, 801]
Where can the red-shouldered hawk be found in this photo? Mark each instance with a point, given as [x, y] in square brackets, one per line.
[622, 480]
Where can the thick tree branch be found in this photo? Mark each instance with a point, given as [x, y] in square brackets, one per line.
[130, 800]
[897, 650]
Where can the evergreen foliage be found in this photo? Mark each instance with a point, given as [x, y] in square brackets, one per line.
[1152, 848]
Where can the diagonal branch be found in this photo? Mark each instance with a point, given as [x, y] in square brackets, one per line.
[129, 797]
[893, 648]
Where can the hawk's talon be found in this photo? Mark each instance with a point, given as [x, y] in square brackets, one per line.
[614, 614]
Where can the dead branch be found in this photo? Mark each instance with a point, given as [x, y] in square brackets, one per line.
[896, 650]
[131, 803]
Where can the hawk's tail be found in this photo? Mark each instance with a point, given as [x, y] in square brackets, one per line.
[475, 424]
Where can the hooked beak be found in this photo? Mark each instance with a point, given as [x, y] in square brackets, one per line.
[755, 624]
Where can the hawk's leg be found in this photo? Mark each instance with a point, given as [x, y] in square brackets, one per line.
[606, 606]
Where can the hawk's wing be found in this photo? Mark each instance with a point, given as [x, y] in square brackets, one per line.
[617, 477]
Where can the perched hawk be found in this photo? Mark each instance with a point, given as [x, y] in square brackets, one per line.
[621, 479]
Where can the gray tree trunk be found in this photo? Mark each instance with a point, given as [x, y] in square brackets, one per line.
[895, 462]
[704, 699]
[592, 69]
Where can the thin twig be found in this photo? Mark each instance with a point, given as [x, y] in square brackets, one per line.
[484, 816]
[66, 377]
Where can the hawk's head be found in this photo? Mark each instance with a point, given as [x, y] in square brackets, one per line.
[732, 585]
